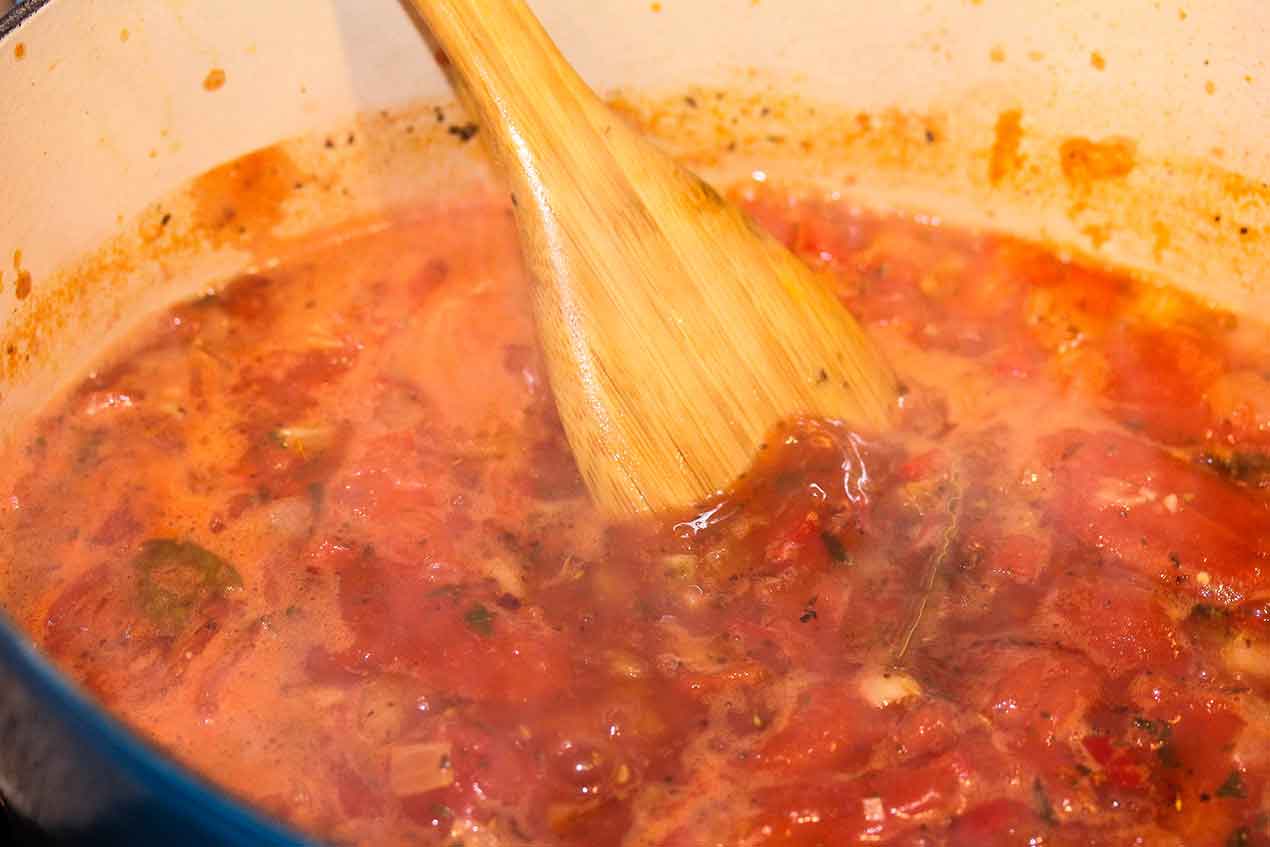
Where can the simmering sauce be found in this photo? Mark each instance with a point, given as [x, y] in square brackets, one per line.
[319, 535]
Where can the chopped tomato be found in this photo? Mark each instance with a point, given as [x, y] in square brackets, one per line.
[1170, 521]
[320, 534]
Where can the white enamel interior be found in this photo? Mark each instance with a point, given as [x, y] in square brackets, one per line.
[103, 108]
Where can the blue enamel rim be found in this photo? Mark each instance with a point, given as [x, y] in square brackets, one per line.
[13, 18]
[199, 808]
[205, 810]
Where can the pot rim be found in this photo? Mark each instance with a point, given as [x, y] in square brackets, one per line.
[97, 733]
[16, 16]
[158, 779]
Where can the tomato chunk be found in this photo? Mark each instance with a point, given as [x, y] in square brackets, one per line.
[1160, 516]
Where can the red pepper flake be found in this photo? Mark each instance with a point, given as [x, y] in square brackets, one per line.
[215, 80]
[23, 285]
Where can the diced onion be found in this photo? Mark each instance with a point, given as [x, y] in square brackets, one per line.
[679, 565]
[1246, 654]
[562, 816]
[1118, 492]
[290, 516]
[303, 440]
[506, 572]
[626, 665]
[881, 689]
[419, 768]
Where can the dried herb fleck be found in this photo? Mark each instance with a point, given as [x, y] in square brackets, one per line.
[953, 487]
[1204, 611]
[1236, 465]
[464, 132]
[1167, 755]
[836, 551]
[1233, 787]
[1160, 729]
[480, 620]
[1044, 809]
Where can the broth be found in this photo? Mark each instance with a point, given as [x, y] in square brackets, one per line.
[319, 535]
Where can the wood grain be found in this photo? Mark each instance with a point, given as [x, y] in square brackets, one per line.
[676, 333]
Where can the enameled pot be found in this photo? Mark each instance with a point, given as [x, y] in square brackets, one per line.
[1137, 133]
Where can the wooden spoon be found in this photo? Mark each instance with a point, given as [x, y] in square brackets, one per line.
[676, 333]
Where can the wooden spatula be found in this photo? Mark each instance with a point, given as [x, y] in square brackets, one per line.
[676, 333]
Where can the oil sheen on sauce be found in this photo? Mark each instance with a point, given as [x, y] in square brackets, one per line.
[320, 536]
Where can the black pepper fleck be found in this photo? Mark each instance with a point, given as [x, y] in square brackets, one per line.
[464, 132]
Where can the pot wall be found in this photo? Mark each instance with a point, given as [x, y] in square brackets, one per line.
[110, 104]
[108, 108]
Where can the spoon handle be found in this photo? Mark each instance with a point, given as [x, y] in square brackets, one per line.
[676, 333]
[538, 116]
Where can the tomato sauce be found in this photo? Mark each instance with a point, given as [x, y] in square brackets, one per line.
[319, 535]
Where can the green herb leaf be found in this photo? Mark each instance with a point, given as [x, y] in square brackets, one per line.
[1160, 729]
[1168, 756]
[1041, 799]
[480, 620]
[836, 551]
[1204, 610]
[1233, 787]
[176, 577]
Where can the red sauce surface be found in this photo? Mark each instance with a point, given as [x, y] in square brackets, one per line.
[320, 535]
